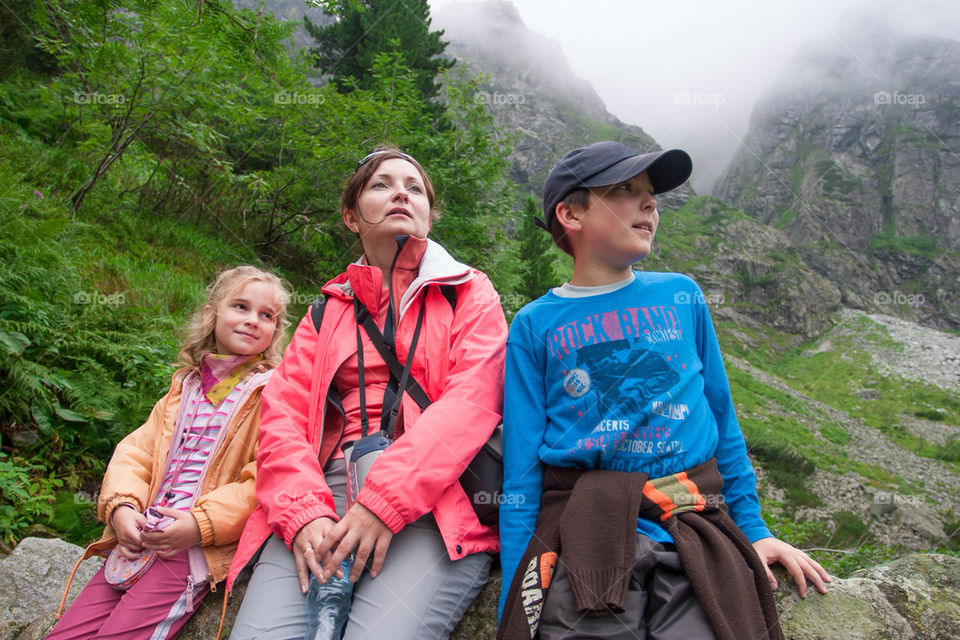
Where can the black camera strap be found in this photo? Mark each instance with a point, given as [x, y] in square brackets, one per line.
[396, 369]
[401, 373]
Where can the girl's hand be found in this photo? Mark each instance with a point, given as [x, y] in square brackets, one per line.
[128, 553]
[182, 533]
[305, 545]
[797, 563]
[360, 529]
[127, 523]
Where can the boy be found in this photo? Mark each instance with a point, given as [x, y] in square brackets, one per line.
[614, 379]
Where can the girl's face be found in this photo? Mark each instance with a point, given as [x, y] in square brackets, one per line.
[393, 202]
[247, 320]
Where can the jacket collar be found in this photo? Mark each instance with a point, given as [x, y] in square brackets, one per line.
[436, 266]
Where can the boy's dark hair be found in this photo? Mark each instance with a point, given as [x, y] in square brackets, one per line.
[576, 198]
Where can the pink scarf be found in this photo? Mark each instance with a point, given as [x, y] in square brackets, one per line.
[220, 374]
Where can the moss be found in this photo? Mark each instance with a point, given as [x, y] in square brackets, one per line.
[832, 617]
[923, 246]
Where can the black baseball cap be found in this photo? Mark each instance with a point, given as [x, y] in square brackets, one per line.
[605, 163]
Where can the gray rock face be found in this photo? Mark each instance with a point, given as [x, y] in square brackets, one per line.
[858, 162]
[32, 579]
[532, 92]
[914, 597]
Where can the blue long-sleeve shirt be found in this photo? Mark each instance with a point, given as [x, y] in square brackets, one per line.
[631, 380]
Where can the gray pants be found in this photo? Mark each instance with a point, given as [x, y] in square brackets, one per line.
[660, 604]
[420, 592]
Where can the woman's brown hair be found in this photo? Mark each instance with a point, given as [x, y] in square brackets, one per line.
[369, 165]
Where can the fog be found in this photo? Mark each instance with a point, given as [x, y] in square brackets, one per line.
[690, 72]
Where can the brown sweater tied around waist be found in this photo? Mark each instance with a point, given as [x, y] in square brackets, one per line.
[590, 518]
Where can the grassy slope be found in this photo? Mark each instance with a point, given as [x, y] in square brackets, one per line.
[101, 298]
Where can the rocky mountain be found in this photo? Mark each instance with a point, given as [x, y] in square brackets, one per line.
[532, 91]
[855, 156]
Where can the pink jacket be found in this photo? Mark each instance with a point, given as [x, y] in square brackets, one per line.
[459, 362]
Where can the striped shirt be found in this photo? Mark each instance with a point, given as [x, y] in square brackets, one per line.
[189, 455]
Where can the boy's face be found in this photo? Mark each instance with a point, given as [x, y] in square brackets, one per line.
[618, 226]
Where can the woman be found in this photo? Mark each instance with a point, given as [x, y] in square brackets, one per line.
[428, 552]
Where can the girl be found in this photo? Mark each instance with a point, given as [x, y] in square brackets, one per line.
[429, 553]
[179, 489]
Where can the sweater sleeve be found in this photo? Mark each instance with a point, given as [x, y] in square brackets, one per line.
[290, 485]
[739, 479]
[524, 425]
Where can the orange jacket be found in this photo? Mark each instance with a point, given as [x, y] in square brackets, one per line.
[228, 495]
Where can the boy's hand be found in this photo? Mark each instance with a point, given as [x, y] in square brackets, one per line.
[182, 533]
[797, 563]
[127, 523]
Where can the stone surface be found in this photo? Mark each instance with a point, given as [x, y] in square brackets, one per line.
[32, 579]
[532, 92]
[915, 597]
[852, 154]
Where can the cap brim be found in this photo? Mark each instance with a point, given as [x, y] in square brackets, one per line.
[667, 170]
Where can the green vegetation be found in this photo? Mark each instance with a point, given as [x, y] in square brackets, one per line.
[348, 48]
[837, 181]
[536, 255]
[144, 148]
[925, 247]
[837, 376]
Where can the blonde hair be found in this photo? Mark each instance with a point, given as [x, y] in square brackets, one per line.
[200, 338]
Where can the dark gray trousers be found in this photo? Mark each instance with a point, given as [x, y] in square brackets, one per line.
[660, 604]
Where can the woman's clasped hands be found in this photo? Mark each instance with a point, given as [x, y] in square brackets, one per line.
[322, 545]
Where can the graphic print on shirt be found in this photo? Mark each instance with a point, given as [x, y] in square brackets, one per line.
[618, 370]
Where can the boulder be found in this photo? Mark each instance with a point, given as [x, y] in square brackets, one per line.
[32, 578]
[916, 597]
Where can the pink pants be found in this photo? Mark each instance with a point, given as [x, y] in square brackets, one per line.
[154, 608]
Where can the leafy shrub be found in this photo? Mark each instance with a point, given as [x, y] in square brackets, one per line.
[27, 493]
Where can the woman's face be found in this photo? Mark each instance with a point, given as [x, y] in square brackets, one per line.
[393, 202]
